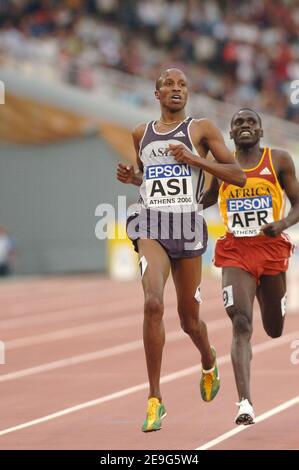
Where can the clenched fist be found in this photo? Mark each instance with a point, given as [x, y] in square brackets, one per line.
[125, 173]
[182, 154]
[274, 229]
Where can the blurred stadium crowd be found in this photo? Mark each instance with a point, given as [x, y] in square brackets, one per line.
[240, 52]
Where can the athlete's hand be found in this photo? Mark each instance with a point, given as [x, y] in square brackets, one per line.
[182, 154]
[274, 229]
[125, 173]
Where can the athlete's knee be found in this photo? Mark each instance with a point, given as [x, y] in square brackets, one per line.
[153, 306]
[188, 313]
[188, 309]
[192, 325]
[241, 322]
[189, 326]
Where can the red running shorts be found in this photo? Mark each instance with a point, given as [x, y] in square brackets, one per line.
[260, 255]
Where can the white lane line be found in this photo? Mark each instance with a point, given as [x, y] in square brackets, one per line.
[259, 419]
[85, 328]
[48, 287]
[57, 297]
[12, 305]
[95, 355]
[143, 386]
[72, 312]
[96, 307]
[72, 332]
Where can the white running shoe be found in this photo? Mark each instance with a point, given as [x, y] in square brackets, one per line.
[245, 414]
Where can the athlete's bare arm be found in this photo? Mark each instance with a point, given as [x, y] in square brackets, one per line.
[285, 169]
[210, 196]
[126, 173]
[209, 138]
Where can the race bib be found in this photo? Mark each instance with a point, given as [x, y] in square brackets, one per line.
[169, 185]
[247, 215]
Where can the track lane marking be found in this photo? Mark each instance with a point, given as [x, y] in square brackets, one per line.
[236, 430]
[83, 329]
[267, 345]
[100, 354]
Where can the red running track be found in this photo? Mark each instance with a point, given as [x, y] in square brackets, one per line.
[75, 375]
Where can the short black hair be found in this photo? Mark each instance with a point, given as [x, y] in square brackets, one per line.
[246, 109]
[164, 74]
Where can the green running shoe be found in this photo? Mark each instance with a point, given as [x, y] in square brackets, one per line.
[210, 381]
[155, 413]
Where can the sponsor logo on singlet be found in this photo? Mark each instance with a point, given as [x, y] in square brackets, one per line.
[265, 171]
[247, 215]
[179, 134]
[169, 184]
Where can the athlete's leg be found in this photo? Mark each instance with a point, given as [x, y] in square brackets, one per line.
[271, 294]
[155, 267]
[186, 274]
[239, 288]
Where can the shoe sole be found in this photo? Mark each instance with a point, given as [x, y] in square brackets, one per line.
[156, 429]
[245, 419]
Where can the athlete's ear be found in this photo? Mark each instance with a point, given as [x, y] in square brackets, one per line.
[261, 133]
[231, 134]
[157, 94]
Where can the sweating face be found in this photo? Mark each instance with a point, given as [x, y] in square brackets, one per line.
[246, 128]
[172, 91]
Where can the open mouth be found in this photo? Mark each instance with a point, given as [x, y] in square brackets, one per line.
[245, 134]
[176, 98]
